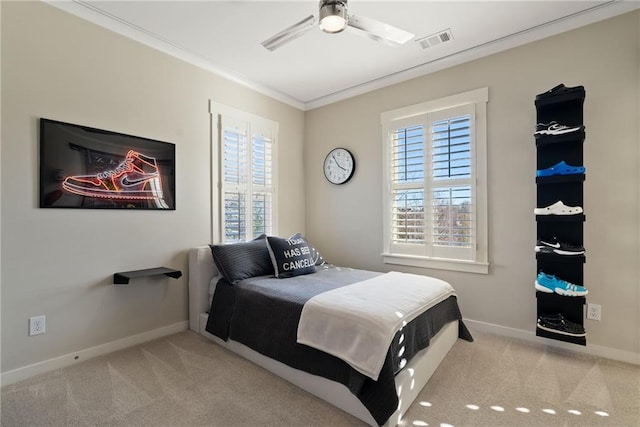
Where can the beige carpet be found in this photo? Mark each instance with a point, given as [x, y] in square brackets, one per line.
[185, 380]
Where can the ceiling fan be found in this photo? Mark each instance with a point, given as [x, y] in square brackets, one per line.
[333, 18]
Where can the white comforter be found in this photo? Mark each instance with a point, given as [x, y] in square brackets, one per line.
[358, 322]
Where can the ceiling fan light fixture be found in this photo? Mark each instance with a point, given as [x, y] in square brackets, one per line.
[333, 16]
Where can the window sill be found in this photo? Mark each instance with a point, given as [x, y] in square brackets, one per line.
[437, 263]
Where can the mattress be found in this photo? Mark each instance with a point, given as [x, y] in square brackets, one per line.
[263, 313]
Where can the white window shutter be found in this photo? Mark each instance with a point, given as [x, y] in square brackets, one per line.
[247, 169]
[235, 167]
[435, 161]
[262, 181]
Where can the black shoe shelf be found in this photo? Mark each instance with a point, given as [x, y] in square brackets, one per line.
[566, 109]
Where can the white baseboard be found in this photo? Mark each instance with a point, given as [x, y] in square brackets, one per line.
[29, 371]
[25, 372]
[529, 336]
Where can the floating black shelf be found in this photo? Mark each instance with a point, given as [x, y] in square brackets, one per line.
[561, 218]
[560, 179]
[123, 277]
[572, 138]
[573, 96]
[555, 299]
[561, 337]
[579, 259]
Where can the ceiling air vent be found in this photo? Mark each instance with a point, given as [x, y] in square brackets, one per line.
[436, 39]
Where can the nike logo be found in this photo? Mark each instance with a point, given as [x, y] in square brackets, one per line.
[556, 245]
[125, 181]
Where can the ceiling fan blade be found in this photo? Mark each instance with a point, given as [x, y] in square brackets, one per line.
[379, 31]
[291, 33]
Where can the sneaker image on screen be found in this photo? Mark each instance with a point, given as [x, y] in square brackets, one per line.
[135, 178]
[557, 324]
[560, 168]
[555, 246]
[558, 208]
[549, 284]
[555, 128]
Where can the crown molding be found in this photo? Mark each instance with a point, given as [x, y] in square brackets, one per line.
[561, 25]
[85, 10]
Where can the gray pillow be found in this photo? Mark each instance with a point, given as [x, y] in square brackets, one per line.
[237, 261]
[290, 257]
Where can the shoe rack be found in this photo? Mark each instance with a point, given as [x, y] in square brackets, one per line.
[567, 109]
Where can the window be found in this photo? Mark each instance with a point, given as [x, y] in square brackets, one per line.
[435, 197]
[244, 151]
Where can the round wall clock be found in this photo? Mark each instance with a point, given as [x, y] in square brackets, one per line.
[339, 166]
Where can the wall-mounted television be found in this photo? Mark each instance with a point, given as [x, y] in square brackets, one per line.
[87, 168]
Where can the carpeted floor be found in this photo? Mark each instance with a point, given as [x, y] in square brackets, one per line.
[185, 380]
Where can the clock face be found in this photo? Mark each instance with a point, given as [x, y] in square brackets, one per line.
[339, 166]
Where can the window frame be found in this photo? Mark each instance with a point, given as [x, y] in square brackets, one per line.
[254, 126]
[474, 260]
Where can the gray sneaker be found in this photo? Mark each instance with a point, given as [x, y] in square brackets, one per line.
[557, 324]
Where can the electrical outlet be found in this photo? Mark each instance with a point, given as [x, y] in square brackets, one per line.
[37, 325]
[594, 311]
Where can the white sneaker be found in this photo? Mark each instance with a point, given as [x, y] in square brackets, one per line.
[558, 208]
[555, 128]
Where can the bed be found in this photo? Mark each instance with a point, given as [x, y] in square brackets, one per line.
[326, 377]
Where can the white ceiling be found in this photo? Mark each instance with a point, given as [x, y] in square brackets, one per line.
[318, 68]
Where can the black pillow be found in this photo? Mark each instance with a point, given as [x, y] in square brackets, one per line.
[239, 261]
[290, 257]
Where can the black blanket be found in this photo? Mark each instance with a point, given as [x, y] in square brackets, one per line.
[263, 313]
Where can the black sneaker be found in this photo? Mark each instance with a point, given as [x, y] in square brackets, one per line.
[557, 324]
[559, 90]
[554, 128]
[553, 245]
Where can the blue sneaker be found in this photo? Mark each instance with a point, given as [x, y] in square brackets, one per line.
[549, 283]
[561, 169]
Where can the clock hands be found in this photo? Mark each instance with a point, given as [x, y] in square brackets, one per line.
[338, 164]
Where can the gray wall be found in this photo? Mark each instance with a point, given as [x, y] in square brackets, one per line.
[60, 262]
[345, 221]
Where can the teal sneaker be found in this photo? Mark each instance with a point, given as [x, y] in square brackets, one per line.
[549, 283]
